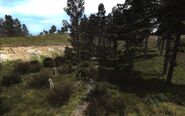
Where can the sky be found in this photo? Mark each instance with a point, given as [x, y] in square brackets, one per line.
[42, 14]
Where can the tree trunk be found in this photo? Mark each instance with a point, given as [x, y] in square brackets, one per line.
[131, 63]
[146, 48]
[173, 60]
[158, 41]
[126, 47]
[162, 46]
[159, 44]
[115, 48]
[167, 53]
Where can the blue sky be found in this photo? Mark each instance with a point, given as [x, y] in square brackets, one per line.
[41, 14]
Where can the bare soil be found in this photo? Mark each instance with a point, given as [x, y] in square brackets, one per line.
[25, 53]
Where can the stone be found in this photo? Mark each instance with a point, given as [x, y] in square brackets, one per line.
[51, 84]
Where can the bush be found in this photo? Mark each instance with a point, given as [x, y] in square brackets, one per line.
[40, 80]
[104, 101]
[34, 66]
[4, 107]
[68, 53]
[48, 62]
[10, 80]
[59, 61]
[84, 64]
[22, 67]
[118, 105]
[60, 94]
[27, 67]
[64, 69]
[88, 71]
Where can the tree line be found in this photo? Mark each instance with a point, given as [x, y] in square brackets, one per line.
[53, 29]
[132, 22]
[10, 27]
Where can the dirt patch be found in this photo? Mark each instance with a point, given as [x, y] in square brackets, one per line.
[26, 53]
[79, 111]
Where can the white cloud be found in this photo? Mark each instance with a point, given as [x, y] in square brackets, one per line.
[44, 8]
[91, 6]
[47, 12]
[48, 8]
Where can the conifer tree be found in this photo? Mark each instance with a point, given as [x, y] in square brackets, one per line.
[75, 9]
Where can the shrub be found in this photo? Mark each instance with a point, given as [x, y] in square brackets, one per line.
[27, 67]
[4, 107]
[59, 61]
[40, 80]
[10, 79]
[48, 62]
[118, 105]
[68, 53]
[60, 94]
[22, 67]
[34, 66]
[88, 71]
[64, 69]
[104, 101]
[84, 64]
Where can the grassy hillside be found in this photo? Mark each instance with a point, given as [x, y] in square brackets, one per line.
[56, 39]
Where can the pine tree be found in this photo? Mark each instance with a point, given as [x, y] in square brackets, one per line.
[75, 9]
[9, 29]
[53, 29]
[101, 30]
[18, 29]
[1, 27]
[170, 17]
[25, 30]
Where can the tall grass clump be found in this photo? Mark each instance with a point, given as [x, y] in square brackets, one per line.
[103, 101]
[11, 79]
[60, 94]
[59, 61]
[64, 69]
[4, 107]
[48, 62]
[40, 80]
[27, 67]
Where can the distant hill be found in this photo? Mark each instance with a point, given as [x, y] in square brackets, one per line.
[51, 39]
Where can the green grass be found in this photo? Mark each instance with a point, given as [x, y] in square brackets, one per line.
[24, 100]
[149, 94]
[56, 39]
[143, 97]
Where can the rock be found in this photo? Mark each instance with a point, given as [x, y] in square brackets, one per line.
[51, 84]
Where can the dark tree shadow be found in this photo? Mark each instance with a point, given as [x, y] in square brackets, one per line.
[149, 56]
[143, 87]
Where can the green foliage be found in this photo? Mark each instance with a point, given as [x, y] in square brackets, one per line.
[53, 29]
[11, 79]
[48, 62]
[64, 69]
[40, 80]
[4, 107]
[27, 67]
[12, 27]
[68, 53]
[22, 67]
[35, 66]
[59, 61]
[103, 102]
[60, 94]
[88, 70]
